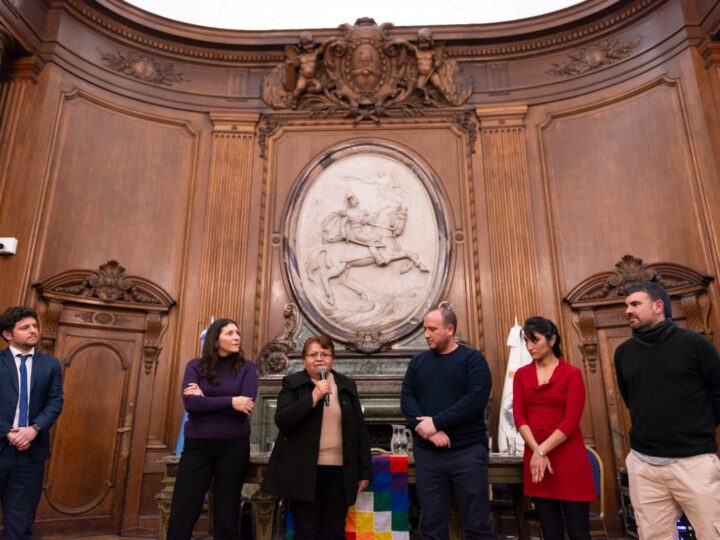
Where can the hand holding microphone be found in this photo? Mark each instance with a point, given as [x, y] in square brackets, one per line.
[323, 377]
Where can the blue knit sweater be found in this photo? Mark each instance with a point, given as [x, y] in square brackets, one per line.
[453, 388]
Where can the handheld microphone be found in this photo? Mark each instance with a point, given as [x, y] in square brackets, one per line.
[323, 376]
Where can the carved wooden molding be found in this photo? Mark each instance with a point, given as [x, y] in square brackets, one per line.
[107, 287]
[273, 358]
[109, 284]
[216, 47]
[607, 289]
[365, 73]
[594, 56]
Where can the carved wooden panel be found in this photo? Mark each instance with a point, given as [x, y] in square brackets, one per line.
[136, 207]
[615, 171]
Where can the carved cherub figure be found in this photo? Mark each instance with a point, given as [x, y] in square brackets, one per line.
[433, 68]
[301, 67]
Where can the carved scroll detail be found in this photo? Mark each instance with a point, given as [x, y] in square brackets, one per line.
[697, 312]
[273, 357]
[584, 322]
[152, 344]
[51, 319]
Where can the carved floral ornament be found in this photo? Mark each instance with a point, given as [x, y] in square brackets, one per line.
[108, 295]
[142, 67]
[366, 74]
[594, 56]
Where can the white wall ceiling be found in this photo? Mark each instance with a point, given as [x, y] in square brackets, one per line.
[295, 14]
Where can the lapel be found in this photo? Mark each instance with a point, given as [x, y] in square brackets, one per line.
[37, 371]
[8, 364]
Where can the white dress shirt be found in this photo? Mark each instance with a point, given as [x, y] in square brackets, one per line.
[28, 365]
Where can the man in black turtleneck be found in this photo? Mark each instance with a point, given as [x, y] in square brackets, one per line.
[669, 378]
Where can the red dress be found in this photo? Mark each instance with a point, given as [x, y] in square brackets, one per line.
[556, 405]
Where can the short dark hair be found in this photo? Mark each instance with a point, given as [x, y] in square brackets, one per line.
[544, 327]
[12, 315]
[655, 291]
[324, 341]
[447, 314]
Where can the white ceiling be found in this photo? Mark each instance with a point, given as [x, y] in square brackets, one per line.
[295, 14]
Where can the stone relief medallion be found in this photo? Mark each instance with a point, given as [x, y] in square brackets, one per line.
[367, 243]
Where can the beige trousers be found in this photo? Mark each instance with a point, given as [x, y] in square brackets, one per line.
[659, 492]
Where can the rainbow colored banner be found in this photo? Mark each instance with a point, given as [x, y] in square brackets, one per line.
[381, 510]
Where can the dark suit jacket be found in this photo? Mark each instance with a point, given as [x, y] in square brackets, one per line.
[46, 399]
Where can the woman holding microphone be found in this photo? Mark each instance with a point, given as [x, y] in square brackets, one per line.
[321, 458]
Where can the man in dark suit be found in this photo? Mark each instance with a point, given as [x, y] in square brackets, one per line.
[31, 399]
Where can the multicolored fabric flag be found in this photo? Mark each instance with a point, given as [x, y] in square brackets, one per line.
[381, 510]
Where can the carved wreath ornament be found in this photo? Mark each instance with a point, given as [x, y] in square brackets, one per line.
[365, 74]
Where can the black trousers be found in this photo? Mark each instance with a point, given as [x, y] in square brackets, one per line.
[222, 461]
[556, 516]
[324, 518]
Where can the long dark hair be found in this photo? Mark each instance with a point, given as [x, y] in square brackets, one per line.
[208, 362]
[544, 327]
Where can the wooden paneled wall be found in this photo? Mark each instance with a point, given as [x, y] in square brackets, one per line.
[590, 134]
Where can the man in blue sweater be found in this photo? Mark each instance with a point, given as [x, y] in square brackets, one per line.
[443, 398]
[669, 378]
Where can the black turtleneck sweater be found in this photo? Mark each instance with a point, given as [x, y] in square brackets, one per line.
[669, 378]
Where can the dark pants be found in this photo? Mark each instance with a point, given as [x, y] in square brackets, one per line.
[555, 516]
[324, 518]
[462, 472]
[21, 482]
[224, 461]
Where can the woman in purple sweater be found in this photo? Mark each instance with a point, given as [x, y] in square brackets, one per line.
[219, 391]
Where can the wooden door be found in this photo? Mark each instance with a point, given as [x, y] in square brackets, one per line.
[87, 473]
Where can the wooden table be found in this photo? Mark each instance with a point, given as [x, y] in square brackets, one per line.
[503, 469]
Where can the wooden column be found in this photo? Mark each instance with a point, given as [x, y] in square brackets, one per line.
[228, 209]
[509, 215]
[16, 82]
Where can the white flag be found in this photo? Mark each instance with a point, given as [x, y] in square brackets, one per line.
[519, 357]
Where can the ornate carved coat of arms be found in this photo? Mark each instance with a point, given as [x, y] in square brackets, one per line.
[366, 74]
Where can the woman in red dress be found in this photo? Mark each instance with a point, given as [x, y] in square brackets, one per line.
[548, 401]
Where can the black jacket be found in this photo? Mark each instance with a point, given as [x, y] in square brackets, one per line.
[292, 469]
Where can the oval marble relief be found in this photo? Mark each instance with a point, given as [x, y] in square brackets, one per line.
[367, 243]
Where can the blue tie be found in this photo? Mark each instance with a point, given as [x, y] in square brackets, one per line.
[23, 420]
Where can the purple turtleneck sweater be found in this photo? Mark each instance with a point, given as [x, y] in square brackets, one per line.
[212, 416]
